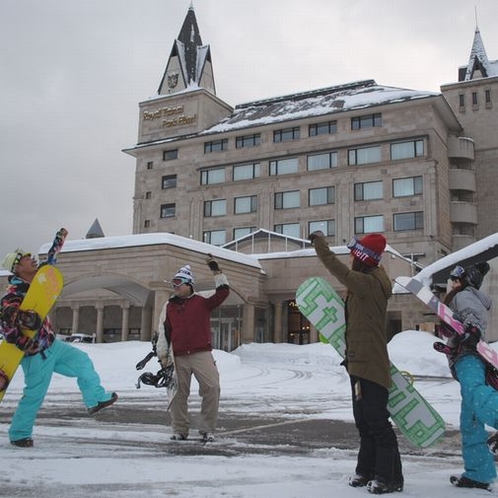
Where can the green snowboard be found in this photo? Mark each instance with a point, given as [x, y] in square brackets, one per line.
[411, 413]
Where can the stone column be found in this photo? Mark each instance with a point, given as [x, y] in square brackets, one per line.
[247, 323]
[278, 321]
[100, 322]
[125, 321]
[76, 319]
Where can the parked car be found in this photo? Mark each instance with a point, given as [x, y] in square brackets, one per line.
[82, 338]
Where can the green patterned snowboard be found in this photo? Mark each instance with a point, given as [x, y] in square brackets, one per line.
[411, 413]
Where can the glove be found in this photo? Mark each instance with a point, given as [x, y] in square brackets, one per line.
[25, 343]
[213, 264]
[444, 330]
[314, 235]
[470, 338]
[29, 320]
[165, 362]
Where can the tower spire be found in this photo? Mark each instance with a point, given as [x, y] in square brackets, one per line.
[189, 64]
[478, 65]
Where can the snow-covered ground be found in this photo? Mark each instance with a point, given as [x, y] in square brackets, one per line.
[125, 451]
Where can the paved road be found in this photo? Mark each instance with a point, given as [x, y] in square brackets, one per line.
[237, 432]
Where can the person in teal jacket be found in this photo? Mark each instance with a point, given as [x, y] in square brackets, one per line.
[43, 355]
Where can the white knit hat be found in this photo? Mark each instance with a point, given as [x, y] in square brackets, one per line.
[186, 274]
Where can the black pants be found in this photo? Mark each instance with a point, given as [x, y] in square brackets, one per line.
[378, 457]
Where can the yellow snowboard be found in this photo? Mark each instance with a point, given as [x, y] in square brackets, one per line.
[42, 294]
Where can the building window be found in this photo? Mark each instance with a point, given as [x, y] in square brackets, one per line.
[325, 226]
[367, 121]
[321, 196]
[216, 207]
[322, 161]
[364, 155]
[408, 221]
[405, 187]
[216, 146]
[286, 134]
[487, 96]
[169, 155]
[407, 150]
[461, 100]
[474, 98]
[368, 191]
[246, 171]
[322, 128]
[369, 224]
[287, 200]
[148, 195]
[215, 237]
[284, 166]
[238, 233]
[289, 229]
[211, 176]
[248, 141]
[168, 210]
[150, 164]
[147, 224]
[168, 181]
[247, 204]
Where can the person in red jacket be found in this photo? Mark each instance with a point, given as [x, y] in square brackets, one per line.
[185, 324]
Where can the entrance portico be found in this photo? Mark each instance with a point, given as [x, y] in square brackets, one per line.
[115, 287]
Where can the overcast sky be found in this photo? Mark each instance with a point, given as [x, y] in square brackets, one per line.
[73, 73]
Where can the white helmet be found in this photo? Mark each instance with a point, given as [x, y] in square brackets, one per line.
[12, 259]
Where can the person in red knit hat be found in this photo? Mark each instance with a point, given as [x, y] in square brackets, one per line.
[369, 288]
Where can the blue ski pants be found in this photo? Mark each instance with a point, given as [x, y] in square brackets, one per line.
[479, 407]
[61, 358]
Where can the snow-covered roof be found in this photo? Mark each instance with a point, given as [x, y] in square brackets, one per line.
[153, 239]
[486, 249]
[327, 101]
[138, 240]
[341, 98]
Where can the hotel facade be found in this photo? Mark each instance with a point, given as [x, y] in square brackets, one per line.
[249, 183]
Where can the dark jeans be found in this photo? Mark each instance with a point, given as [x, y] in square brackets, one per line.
[378, 457]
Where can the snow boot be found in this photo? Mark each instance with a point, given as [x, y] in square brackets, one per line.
[377, 487]
[178, 436]
[26, 442]
[465, 482]
[207, 437]
[358, 481]
[102, 404]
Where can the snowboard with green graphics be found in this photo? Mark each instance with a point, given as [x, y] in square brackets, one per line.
[413, 415]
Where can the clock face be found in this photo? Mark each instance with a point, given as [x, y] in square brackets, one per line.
[172, 80]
